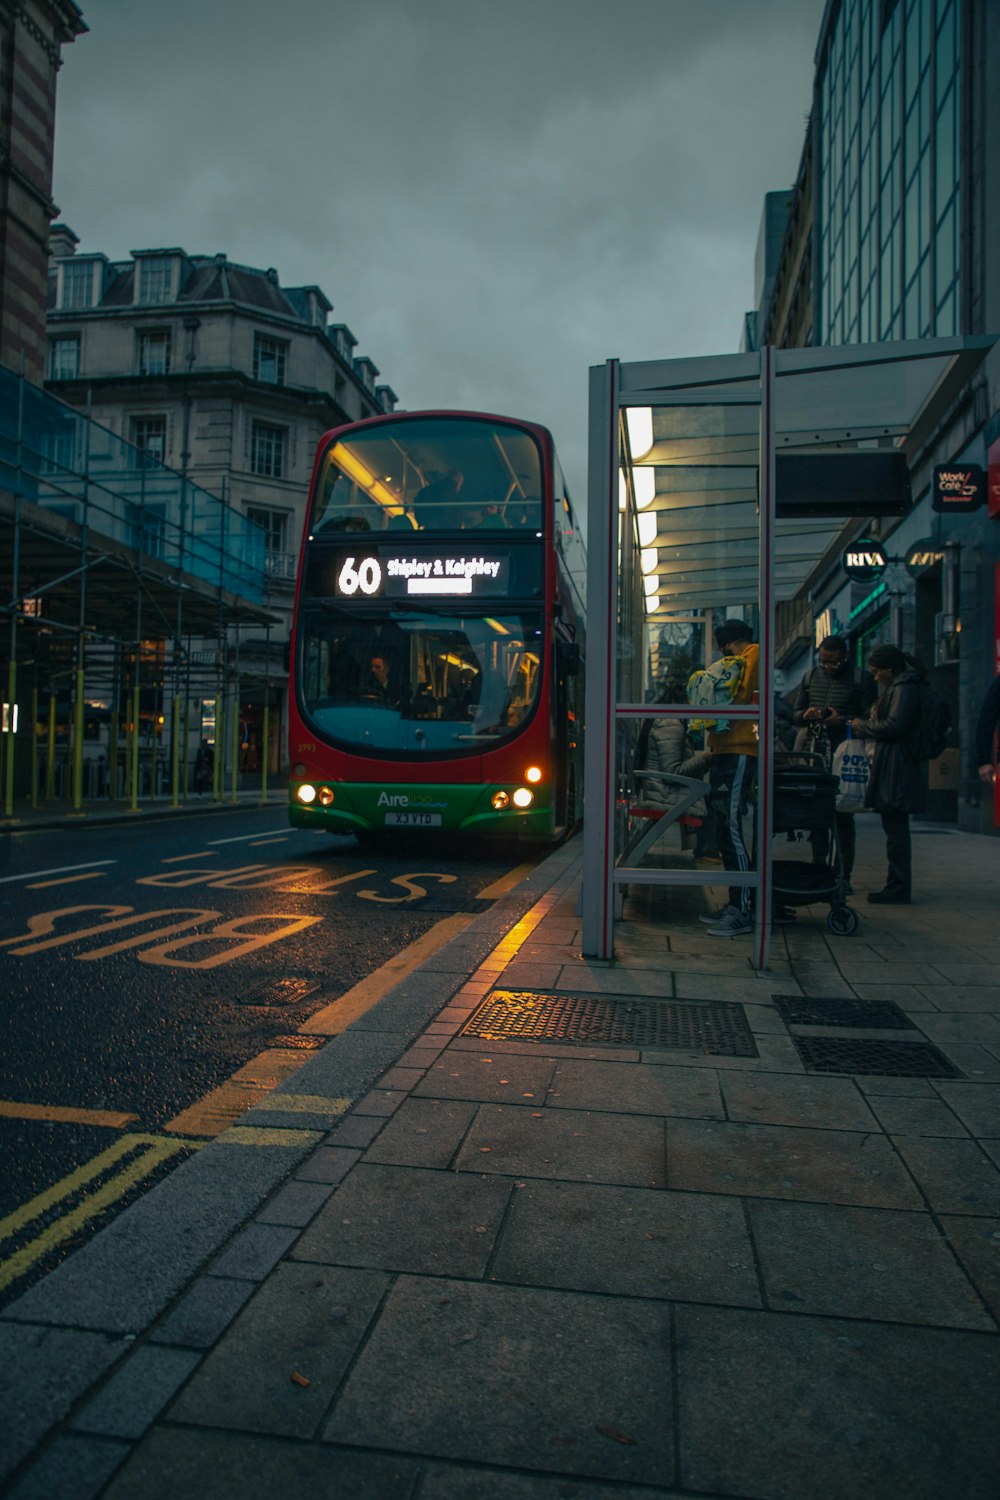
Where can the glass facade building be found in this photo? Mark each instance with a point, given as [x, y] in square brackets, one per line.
[887, 172]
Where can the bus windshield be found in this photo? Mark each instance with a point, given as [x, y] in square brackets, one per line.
[419, 683]
[430, 474]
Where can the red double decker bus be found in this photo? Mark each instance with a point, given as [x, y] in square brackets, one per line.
[436, 647]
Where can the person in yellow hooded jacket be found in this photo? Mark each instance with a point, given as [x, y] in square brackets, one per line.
[733, 778]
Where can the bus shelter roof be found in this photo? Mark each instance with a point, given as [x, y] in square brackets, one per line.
[695, 424]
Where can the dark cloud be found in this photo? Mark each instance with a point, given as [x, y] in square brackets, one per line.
[495, 194]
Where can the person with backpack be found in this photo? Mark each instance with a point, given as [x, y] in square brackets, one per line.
[733, 776]
[987, 726]
[830, 696]
[897, 784]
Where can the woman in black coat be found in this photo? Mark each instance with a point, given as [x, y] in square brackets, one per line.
[896, 787]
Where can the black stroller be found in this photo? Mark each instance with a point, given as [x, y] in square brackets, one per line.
[805, 800]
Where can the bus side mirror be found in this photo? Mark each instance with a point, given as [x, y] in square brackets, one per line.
[571, 659]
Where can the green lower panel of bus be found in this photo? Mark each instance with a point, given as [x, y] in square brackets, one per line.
[360, 807]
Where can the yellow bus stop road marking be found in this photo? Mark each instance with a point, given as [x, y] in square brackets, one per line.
[355, 1002]
[246, 1089]
[10, 1109]
[505, 883]
[152, 1151]
[42, 885]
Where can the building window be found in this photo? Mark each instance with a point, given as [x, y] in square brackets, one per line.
[77, 284]
[273, 523]
[64, 358]
[149, 435]
[269, 360]
[267, 450]
[154, 351]
[156, 278]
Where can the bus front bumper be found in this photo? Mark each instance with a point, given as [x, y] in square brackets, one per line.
[361, 808]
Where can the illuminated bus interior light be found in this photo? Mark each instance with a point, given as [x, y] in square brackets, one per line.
[649, 558]
[326, 795]
[652, 603]
[500, 800]
[523, 797]
[622, 490]
[651, 584]
[644, 484]
[495, 625]
[533, 774]
[352, 466]
[639, 420]
[306, 793]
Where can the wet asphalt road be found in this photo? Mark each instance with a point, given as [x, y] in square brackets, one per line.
[141, 966]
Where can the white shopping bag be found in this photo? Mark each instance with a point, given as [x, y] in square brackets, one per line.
[851, 766]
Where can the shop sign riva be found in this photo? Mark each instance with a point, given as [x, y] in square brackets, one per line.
[864, 560]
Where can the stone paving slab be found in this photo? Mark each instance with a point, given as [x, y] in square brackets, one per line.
[956, 1176]
[73, 1467]
[635, 1088]
[775, 1054]
[777, 1099]
[984, 999]
[976, 1242]
[479, 1075]
[465, 1371]
[878, 1411]
[898, 1116]
[449, 1482]
[408, 1219]
[174, 1463]
[423, 1133]
[637, 1242]
[862, 1263]
[43, 1372]
[305, 1320]
[576, 1145]
[977, 1105]
[945, 1028]
[836, 1166]
[135, 1395]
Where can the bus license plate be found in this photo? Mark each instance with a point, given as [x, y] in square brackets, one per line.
[412, 820]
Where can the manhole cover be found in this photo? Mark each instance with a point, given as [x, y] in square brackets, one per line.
[829, 1054]
[814, 1010]
[277, 992]
[715, 1027]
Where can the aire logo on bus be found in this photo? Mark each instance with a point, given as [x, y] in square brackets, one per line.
[403, 799]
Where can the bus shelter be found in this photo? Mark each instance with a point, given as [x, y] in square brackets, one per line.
[720, 488]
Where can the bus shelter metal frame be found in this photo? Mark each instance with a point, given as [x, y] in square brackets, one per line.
[852, 396]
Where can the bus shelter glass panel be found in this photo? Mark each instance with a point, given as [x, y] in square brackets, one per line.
[689, 561]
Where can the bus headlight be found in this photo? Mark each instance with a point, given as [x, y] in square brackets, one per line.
[522, 797]
[326, 795]
[306, 793]
[500, 800]
[533, 774]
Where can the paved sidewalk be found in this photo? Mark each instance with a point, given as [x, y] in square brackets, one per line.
[102, 810]
[462, 1266]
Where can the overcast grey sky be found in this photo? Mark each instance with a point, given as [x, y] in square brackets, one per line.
[494, 194]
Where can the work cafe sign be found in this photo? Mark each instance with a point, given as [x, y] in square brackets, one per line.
[959, 487]
[864, 560]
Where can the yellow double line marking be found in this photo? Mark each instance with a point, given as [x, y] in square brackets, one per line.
[151, 1149]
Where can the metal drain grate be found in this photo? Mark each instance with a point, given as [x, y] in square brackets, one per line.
[277, 992]
[718, 1028]
[828, 1054]
[814, 1010]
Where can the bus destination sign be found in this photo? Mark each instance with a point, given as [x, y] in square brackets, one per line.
[416, 573]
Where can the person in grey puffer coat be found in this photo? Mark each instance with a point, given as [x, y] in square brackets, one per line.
[897, 784]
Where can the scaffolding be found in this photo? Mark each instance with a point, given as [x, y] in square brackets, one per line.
[125, 587]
